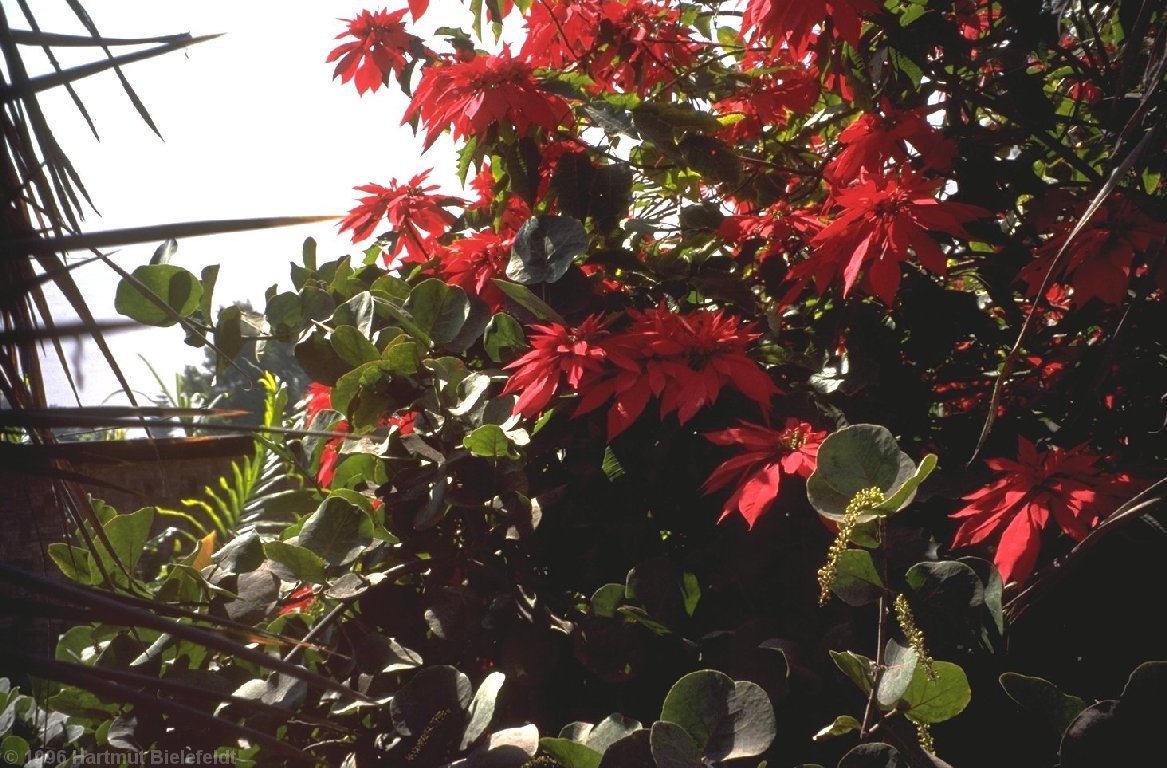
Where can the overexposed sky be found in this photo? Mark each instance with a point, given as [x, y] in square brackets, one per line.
[253, 125]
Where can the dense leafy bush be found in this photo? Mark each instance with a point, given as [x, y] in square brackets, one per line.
[604, 422]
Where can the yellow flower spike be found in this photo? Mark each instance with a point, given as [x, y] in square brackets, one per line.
[914, 635]
[863, 501]
[924, 736]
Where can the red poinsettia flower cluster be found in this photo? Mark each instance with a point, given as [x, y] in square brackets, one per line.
[631, 46]
[473, 96]
[875, 141]
[767, 100]
[798, 23]
[557, 353]
[1066, 486]
[770, 232]
[379, 50]
[683, 360]
[472, 262]
[768, 455]
[417, 216]
[1104, 255]
[883, 221]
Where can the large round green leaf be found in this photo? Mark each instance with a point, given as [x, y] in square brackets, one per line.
[855, 458]
[163, 294]
[936, 697]
[726, 719]
[440, 310]
[544, 248]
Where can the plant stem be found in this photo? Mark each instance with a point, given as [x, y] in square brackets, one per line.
[872, 711]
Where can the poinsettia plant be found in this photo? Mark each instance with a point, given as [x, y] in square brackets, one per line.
[605, 415]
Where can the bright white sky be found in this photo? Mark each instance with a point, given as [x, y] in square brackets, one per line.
[253, 125]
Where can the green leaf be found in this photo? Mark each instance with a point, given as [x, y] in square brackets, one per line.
[928, 700]
[175, 287]
[856, 667]
[490, 441]
[428, 692]
[900, 663]
[856, 581]
[240, 555]
[521, 295]
[690, 591]
[352, 346]
[607, 599]
[482, 708]
[948, 583]
[843, 724]
[905, 492]
[208, 277]
[439, 309]
[673, 747]
[855, 458]
[402, 356]
[570, 754]
[632, 751]
[369, 379]
[726, 719]
[76, 563]
[15, 749]
[303, 564]
[1042, 699]
[337, 531]
[319, 360]
[128, 535]
[544, 248]
[610, 730]
[912, 12]
[503, 333]
[878, 755]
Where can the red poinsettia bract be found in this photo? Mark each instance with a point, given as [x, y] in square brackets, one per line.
[379, 49]
[767, 100]
[768, 455]
[1103, 255]
[471, 97]
[797, 23]
[1066, 485]
[883, 222]
[683, 360]
[632, 45]
[414, 212]
[472, 262]
[875, 140]
[556, 352]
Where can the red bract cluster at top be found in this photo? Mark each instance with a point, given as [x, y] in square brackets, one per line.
[768, 455]
[630, 46]
[472, 97]
[1065, 485]
[415, 214]
[797, 23]
[379, 50]
[884, 221]
[684, 360]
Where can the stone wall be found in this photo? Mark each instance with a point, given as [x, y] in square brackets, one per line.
[126, 474]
